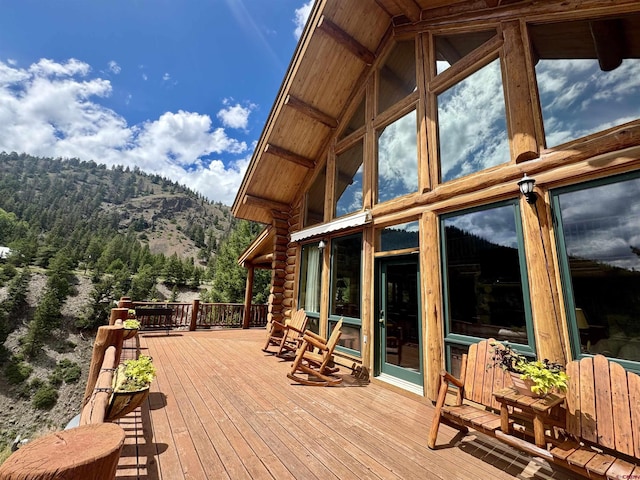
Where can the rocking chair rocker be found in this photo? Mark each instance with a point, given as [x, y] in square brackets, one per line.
[318, 364]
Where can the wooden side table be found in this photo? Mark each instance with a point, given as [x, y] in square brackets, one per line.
[542, 411]
[89, 452]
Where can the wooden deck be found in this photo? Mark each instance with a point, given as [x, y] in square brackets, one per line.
[221, 408]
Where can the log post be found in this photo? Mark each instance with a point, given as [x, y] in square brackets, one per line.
[248, 295]
[118, 313]
[195, 308]
[89, 451]
[125, 302]
[108, 335]
[95, 409]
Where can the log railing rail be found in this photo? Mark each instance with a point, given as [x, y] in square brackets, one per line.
[198, 314]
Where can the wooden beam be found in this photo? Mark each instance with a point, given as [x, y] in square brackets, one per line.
[266, 258]
[265, 203]
[310, 111]
[608, 40]
[346, 40]
[408, 8]
[289, 156]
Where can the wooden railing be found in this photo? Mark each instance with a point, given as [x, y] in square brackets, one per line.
[207, 315]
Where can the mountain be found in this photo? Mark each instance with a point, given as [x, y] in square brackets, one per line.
[71, 203]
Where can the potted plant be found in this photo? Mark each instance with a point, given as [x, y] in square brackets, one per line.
[131, 327]
[131, 384]
[535, 378]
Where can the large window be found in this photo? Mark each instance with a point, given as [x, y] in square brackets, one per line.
[588, 75]
[310, 282]
[486, 289]
[599, 244]
[349, 180]
[472, 127]
[346, 278]
[398, 158]
[397, 77]
[314, 213]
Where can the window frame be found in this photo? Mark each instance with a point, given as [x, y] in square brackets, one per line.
[460, 340]
[563, 263]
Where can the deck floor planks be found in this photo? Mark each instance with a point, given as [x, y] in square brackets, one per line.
[182, 392]
[270, 429]
[233, 401]
[246, 434]
[358, 432]
[189, 465]
[282, 425]
[230, 445]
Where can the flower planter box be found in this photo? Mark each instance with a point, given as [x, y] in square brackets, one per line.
[129, 333]
[123, 403]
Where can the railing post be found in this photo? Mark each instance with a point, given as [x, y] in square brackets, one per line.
[248, 295]
[118, 314]
[194, 315]
[107, 336]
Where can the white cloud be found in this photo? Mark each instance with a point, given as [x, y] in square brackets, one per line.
[114, 67]
[235, 116]
[52, 109]
[301, 16]
[166, 77]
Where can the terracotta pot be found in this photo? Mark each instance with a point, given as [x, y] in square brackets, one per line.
[123, 403]
[523, 386]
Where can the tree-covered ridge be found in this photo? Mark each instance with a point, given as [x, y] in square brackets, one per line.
[79, 206]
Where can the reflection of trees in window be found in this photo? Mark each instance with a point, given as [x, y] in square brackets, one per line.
[485, 293]
[349, 180]
[588, 75]
[451, 48]
[315, 200]
[397, 77]
[472, 125]
[600, 236]
[345, 276]
[398, 158]
[399, 237]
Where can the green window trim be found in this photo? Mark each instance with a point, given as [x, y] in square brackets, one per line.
[452, 339]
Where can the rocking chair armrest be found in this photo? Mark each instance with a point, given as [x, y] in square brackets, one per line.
[315, 336]
[281, 325]
[447, 377]
[316, 343]
[291, 327]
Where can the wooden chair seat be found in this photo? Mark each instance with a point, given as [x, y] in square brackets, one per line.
[316, 365]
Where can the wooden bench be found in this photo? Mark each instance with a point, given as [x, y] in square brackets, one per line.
[155, 318]
[601, 411]
[476, 384]
[603, 420]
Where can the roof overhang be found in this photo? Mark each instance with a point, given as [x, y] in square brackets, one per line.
[259, 253]
[340, 44]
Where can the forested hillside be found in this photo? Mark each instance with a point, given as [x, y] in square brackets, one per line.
[80, 206]
[80, 236]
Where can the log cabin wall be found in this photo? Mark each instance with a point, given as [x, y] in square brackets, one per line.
[430, 239]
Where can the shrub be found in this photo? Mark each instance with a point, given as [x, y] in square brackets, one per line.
[17, 372]
[45, 398]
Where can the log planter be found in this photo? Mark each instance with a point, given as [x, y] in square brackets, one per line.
[123, 403]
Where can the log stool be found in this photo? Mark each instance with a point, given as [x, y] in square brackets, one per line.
[89, 452]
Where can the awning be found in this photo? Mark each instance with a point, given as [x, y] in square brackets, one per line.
[342, 223]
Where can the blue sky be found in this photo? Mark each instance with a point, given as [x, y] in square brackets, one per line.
[180, 88]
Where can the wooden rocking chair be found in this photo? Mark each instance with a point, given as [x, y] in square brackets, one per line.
[293, 334]
[284, 334]
[318, 364]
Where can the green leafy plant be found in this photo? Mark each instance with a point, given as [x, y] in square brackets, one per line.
[131, 324]
[545, 375]
[134, 375]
